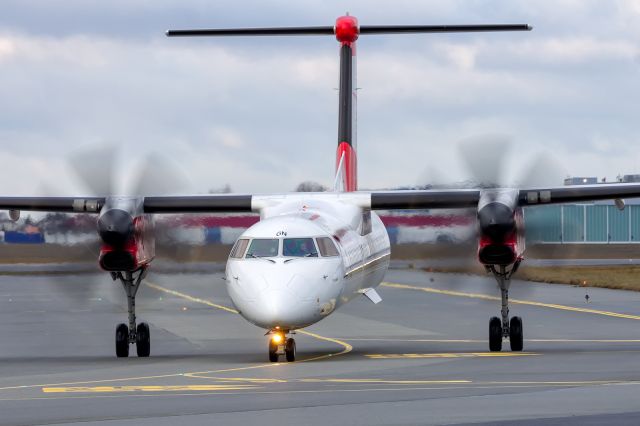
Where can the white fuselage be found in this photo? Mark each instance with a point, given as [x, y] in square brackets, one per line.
[305, 258]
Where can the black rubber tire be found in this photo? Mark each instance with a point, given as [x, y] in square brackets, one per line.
[122, 341]
[273, 351]
[495, 334]
[143, 340]
[516, 334]
[290, 350]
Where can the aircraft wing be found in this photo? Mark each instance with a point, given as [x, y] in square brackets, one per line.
[389, 200]
[428, 199]
[452, 198]
[222, 203]
[578, 193]
[53, 204]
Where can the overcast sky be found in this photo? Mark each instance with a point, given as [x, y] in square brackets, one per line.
[261, 114]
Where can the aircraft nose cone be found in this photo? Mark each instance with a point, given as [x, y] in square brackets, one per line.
[268, 302]
[280, 308]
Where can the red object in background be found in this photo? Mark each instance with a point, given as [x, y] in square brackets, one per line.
[418, 221]
[411, 221]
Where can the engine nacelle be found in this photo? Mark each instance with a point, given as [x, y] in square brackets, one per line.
[127, 235]
[500, 227]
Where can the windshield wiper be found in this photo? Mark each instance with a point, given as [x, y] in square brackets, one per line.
[300, 257]
[253, 256]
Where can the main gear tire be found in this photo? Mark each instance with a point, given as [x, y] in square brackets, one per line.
[143, 340]
[516, 338]
[122, 341]
[495, 334]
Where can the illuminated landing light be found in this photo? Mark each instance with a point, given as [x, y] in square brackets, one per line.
[277, 338]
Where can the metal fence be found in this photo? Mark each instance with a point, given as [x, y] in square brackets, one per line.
[583, 223]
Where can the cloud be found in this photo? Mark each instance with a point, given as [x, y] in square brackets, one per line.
[230, 138]
[7, 48]
[261, 114]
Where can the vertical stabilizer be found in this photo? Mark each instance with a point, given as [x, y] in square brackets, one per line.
[347, 30]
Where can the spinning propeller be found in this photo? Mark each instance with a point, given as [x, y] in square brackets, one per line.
[121, 241]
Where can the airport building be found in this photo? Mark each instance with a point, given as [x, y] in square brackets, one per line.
[583, 223]
[600, 222]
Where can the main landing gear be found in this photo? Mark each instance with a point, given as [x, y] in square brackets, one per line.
[279, 344]
[505, 328]
[126, 335]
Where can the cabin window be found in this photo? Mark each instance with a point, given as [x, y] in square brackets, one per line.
[299, 247]
[327, 247]
[238, 250]
[263, 248]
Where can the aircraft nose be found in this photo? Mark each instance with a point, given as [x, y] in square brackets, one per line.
[268, 301]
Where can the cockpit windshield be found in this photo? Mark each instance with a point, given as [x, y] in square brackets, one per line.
[299, 247]
[263, 248]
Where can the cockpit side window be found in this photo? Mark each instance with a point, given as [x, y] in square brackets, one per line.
[238, 250]
[263, 248]
[299, 247]
[327, 247]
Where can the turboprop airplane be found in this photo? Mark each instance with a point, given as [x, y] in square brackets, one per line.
[310, 253]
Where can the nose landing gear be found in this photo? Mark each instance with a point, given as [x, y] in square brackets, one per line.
[280, 345]
[505, 328]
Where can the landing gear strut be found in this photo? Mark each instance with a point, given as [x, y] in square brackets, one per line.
[126, 335]
[500, 328]
[280, 345]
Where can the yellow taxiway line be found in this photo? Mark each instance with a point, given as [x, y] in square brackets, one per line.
[69, 386]
[190, 298]
[387, 385]
[145, 388]
[517, 301]
[346, 347]
[388, 382]
[452, 355]
[485, 341]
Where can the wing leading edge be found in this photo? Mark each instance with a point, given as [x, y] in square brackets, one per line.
[390, 200]
[451, 199]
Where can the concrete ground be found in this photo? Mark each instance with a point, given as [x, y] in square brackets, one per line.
[419, 357]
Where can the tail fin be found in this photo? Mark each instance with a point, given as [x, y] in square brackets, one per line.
[347, 31]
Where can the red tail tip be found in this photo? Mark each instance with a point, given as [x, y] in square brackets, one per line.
[347, 29]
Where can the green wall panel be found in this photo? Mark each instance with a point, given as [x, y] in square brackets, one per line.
[597, 223]
[573, 223]
[618, 224]
[634, 211]
[542, 224]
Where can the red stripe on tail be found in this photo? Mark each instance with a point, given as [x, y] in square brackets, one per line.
[349, 166]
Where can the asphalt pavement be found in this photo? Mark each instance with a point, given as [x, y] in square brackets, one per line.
[419, 357]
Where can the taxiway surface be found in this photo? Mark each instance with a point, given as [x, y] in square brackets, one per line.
[419, 357]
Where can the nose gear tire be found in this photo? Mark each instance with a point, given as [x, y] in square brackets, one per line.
[290, 350]
[273, 352]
